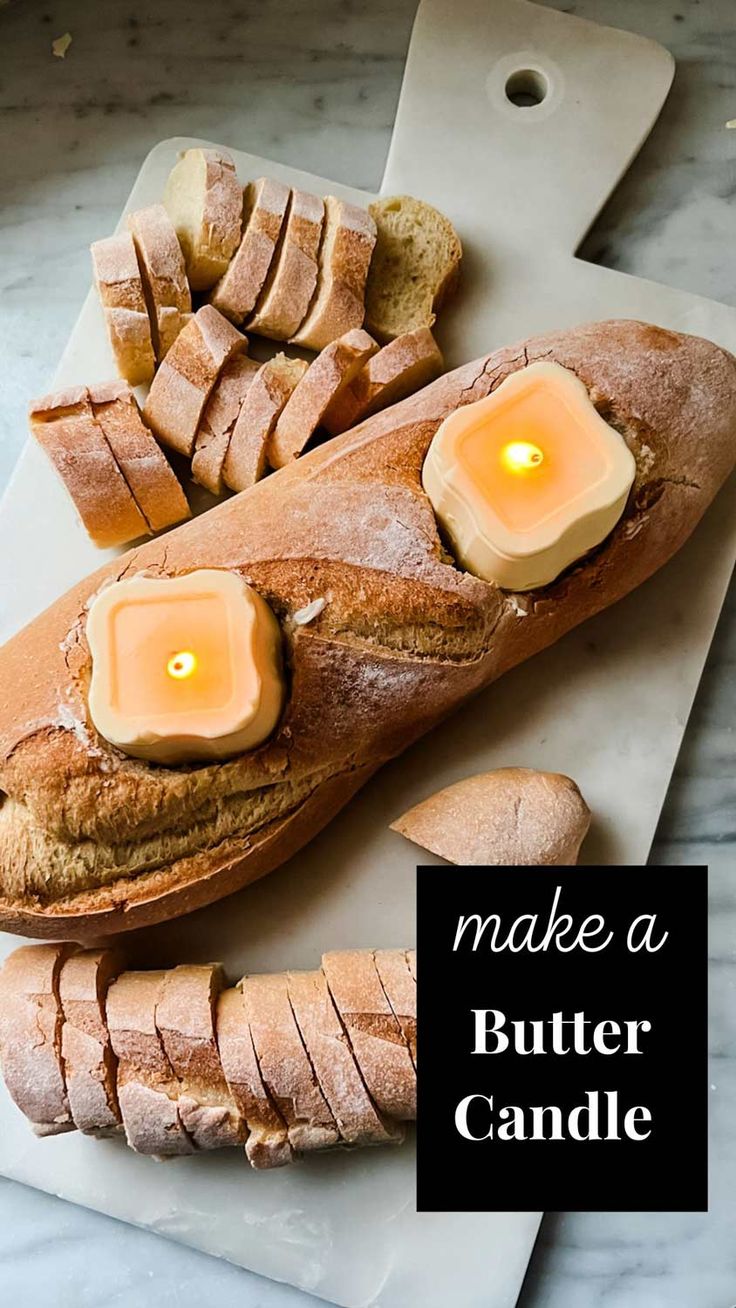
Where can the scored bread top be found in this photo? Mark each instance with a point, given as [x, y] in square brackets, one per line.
[292, 278]
[348, 238]
[265, 203]
[404, 636]
[204, 201]
[120, 288]
[164, 275]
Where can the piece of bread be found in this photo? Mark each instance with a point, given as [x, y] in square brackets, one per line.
[120, 288]
[201, 1067]
[348, 238]
[187, 377]
[31, 1021]
[164, 275]
[400, 989]
[92, 842]
[399, 369]
[415, 266]
[219, 419]
[267, 1144]
[292, 278]
[146, 1084]
[90, 1066]
[204, 201]
[328, 1048]
[185, 1018]
[375, 1036]
[319, 389]
[245, 460]
[512, 816]
[284, 1063]
[152, 481]
[65, 428]
[265, 204]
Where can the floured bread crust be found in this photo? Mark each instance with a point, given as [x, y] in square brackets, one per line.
[91, 841]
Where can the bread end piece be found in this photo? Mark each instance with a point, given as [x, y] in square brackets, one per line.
[415, 266]
[513, 816]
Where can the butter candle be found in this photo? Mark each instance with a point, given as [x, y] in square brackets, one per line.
[529, 479]
[184, 668]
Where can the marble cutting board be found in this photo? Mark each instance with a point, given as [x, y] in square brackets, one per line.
[608, 704]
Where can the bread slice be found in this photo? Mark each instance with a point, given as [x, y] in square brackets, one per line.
[147, 1086]
[187, 377]
[513, 816]
[399, 369]
[204, 201]
[329, 1052]
[89, 1062]
[373, 1031]
[31, 1020]
[411, 962]
[349, 236]
[265, 204]
[267, 1144]
[120, 288]
[164, 275]
[285, 1065]
[185, 1017]
[400, 989]
[219, 419]
[319, 389]
[415, 266]
[245, 461]
[292, 278]
[152, 481]
[66, 429]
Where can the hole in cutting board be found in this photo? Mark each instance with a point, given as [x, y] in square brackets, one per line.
[526, 87]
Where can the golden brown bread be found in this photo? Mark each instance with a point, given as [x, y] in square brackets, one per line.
[93, 842]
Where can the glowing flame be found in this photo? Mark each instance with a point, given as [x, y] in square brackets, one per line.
[521, 456]
[181, 665]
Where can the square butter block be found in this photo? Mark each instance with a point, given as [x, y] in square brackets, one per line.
[529, 479]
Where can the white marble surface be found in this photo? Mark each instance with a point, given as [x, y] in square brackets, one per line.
[315, 82]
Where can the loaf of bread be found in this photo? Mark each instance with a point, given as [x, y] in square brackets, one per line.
[282, 1064]
[510, 817]
[94, 842]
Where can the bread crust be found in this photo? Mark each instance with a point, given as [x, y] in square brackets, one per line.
[31, 1021]
[218, 421]
[89, 1062]
[320, 387]
[348, 238]
[403, 638]
[120, 288]
[265, 204]
[151, 480]
[164, 276]
[246, 458]
[187, 377]
[210, 241]
[292, 278]
[401, 367]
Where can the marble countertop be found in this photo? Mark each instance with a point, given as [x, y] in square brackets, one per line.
[315, 83]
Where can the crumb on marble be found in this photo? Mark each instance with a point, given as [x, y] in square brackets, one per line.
[60, 46]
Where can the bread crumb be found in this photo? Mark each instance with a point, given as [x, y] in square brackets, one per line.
[731, 122]
[60, 46]
[310, 611]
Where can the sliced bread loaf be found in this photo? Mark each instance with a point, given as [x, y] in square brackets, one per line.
[204, 201]
[186, 378]
[399, 369]
[265, 204]
[120, 288]
[89, 1062]
[245, 461]
[415, 266]
[219, 419]
[319, 389]
[292, 278]
[66, 429]
[348, 238]
[164, 275]
[152, 481]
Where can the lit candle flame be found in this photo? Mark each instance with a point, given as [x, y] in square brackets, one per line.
[521, 456]
[181, 665]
